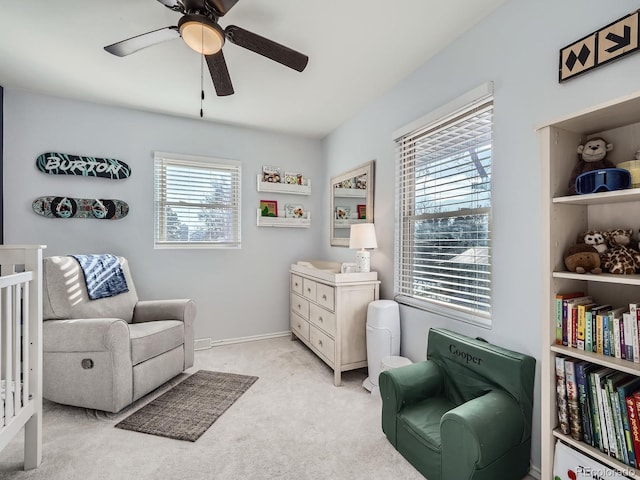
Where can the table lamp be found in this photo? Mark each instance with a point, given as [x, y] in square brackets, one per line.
[363, 235]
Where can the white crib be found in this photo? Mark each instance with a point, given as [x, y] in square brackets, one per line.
[21, 348]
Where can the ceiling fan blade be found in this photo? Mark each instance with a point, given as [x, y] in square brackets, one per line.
[133, 44]
[175, 5]
[267, 48]
[221, 7]
[219, 74]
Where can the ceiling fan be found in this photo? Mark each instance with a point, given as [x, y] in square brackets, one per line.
[200, 30]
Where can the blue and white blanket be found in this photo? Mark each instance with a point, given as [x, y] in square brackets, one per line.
[103, 275]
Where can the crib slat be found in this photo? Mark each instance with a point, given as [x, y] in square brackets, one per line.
[25, 343]
[8, 340]
[17, 346]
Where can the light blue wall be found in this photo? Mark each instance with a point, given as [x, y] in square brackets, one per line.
[238, 293]
[516, 48]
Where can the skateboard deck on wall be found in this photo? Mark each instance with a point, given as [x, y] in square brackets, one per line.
[68, 207]
[55, 163]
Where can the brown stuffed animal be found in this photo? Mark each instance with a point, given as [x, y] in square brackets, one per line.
[591, 156]
[582, 258]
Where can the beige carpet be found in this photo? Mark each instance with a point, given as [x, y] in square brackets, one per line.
[291, 424]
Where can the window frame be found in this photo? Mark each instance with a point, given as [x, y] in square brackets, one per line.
[213, 164]
[441, 116]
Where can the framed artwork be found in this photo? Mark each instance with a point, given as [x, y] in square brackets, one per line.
[294, 210]
[293, 178]
[342, 213]
[269, 208]
[362, 212]
[271, 174]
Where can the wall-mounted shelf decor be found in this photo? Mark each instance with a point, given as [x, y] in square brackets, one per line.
[68, 207]
[287, 188]
[282, 221]
[55, 163]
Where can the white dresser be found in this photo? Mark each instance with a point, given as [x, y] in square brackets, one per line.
[329, 312]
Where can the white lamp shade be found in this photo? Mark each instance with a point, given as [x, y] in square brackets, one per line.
[363, 235]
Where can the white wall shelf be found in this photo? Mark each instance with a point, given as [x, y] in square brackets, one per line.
[349, 193]
[347, 223]
[601, 198]
[282, 221]
[287, 188]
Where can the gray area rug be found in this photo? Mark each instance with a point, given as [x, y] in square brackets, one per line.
[187, 410]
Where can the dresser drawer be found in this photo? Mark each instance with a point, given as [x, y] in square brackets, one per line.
[325, 296]
[323, 319]
[322, 342]
[309, 289]
[296, 284]
[300, 326]
[300, 305]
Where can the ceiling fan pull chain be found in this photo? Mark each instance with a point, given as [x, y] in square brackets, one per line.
[201, 76]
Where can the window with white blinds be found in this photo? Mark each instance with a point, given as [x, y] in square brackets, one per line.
[197, 202]
[443, 258]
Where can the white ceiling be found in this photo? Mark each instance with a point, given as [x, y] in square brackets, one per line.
[358, 49]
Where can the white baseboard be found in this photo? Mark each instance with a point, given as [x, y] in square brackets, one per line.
[535, 472]
[201, 343]
[204, 343]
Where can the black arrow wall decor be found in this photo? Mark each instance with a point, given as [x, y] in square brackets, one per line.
[609, 43]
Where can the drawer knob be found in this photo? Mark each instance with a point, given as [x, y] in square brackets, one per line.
[309, 290]
[299, 326]
[296, 284]
[299, 307]
[320, 318]
[324, 297]
[320, 342]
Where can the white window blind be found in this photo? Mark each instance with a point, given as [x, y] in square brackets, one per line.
[443, 187]
[197, 202]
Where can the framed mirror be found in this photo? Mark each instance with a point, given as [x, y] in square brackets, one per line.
[351, 199]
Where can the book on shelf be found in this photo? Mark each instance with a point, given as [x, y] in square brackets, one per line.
[561, 309]
[623, 338]
[634, 311]
[582, 324]
[625, 390]
[615, 317]
[561, 397]
[598, 333]
[634, 424]
[612, 383]
[589, 329]
[573, 405]
[627, 320]
[583, 368]
[572, 319]
[598, 380]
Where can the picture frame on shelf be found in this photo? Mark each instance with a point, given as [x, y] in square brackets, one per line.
[342, 213]
[362, 212]
[294, 210]
[271, 174]
[361, 182]
[348, 183]
[292, 178]
[269, 208]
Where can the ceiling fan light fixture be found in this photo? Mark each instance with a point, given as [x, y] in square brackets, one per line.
[201, 34]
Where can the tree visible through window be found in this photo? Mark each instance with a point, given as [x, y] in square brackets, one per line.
[444, 221]
[197, 202]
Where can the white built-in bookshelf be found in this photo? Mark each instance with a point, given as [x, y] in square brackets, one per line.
[563, 218]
